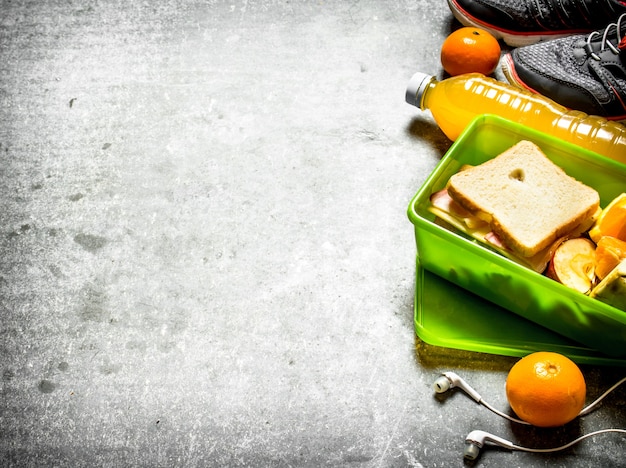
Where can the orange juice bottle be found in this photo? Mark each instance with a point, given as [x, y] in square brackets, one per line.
[455, 101]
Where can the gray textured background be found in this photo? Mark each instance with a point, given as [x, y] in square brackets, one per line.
[205, 258]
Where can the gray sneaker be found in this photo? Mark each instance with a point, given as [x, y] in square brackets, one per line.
[582, 72]
[524, 22]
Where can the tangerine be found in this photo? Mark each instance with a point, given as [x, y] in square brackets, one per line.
[469, 50]
[610, 251]
[546, 389]
[612, 220]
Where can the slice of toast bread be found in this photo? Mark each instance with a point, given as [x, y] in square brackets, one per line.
[528, 200]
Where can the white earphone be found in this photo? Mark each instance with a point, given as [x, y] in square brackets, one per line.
[450, 380]
[475, 440]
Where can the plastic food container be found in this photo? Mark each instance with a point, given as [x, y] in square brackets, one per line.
[478, 269]
[449, 316]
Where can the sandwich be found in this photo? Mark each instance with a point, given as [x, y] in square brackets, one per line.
[519, 203]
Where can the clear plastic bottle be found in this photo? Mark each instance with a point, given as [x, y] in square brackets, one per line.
[455, 101]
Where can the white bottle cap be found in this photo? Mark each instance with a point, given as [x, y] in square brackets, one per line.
[415, 88]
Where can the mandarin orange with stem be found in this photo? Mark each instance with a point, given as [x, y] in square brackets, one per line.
[546, 389]
[469, 50]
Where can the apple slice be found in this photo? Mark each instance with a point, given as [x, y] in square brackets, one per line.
[573, 264]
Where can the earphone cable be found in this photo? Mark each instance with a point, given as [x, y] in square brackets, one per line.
[566, 446]
[501, 414]
[589, 408]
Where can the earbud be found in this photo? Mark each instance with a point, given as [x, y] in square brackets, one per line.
[449, 380]
[476, 439]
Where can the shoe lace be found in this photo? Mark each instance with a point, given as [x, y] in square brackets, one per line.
[605, 42]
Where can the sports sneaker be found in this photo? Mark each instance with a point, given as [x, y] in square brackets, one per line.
[524, 22]
[582, 72]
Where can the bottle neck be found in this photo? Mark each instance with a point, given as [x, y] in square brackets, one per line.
[423, 98]
[416, 88]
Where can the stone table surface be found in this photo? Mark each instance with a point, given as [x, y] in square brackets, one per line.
[205, 257]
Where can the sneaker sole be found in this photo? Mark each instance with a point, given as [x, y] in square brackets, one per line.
[508, 69]
[511, 38]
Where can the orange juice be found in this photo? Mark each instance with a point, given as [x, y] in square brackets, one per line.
[455, 101]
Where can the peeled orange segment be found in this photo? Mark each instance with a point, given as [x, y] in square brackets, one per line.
[612, 221]
[610, 251]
